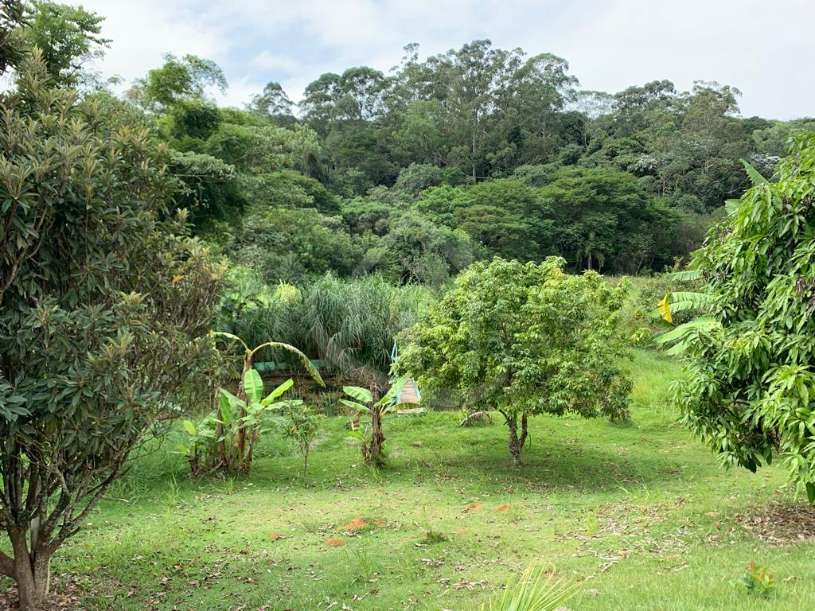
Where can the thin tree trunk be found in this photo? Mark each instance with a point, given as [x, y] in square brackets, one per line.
[515, 444]
[475, 179]
[305, 465]
[32, 572]
[524, 430]
[377, 437]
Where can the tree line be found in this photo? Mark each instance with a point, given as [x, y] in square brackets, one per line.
[457, 157]
[444, 160]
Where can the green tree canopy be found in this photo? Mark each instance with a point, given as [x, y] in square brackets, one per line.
[67, 36]
[523, 339]
[179, 78]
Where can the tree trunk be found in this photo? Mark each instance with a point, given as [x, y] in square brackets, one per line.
[305, 465]
[244, 459]
[475, 129]
[515, 444]
[374, 453]
[32, 572]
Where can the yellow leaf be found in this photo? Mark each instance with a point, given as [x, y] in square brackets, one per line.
[665, 309]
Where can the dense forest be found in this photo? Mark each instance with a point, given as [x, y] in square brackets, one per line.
[453, 158]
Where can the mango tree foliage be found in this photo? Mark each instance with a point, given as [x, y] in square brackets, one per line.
[523, 339]
[749, 390]
[104, 307]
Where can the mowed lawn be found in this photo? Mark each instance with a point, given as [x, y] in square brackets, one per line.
[641, 515]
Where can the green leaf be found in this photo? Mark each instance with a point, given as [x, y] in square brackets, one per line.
[731, 206]
[189, 428]
[685, 275]
[278, 392]
[755, 177]
[253, 385]
[286, 403]
[228, 336]
[355, 406]
[683, 301]
[810, 492]
[680, 332]
[230, 406]
[360, 394]
[394, 390]
[307, 364]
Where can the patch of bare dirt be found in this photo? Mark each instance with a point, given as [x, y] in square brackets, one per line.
[780, 523]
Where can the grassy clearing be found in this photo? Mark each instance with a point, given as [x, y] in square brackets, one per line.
[641, 514]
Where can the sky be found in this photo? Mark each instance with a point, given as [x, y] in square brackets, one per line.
[765, 48]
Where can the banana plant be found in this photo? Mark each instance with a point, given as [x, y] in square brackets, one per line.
[225, 439]
[363, 402]
[249, 354]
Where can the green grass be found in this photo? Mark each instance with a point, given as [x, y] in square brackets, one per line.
[641, 514]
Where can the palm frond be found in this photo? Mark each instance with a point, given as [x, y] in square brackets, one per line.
[533, 591]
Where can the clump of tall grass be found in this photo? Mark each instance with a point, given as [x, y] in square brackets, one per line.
[349, 326]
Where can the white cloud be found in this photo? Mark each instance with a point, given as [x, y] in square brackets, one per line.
[144, 31]
[764, 48]
[273, 61]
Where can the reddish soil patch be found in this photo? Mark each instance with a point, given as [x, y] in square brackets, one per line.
[503, 508]
[355, 525]
[780, 524]
[474, 506]
[334, 542]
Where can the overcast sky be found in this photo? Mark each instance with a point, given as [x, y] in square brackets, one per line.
[764, 47]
